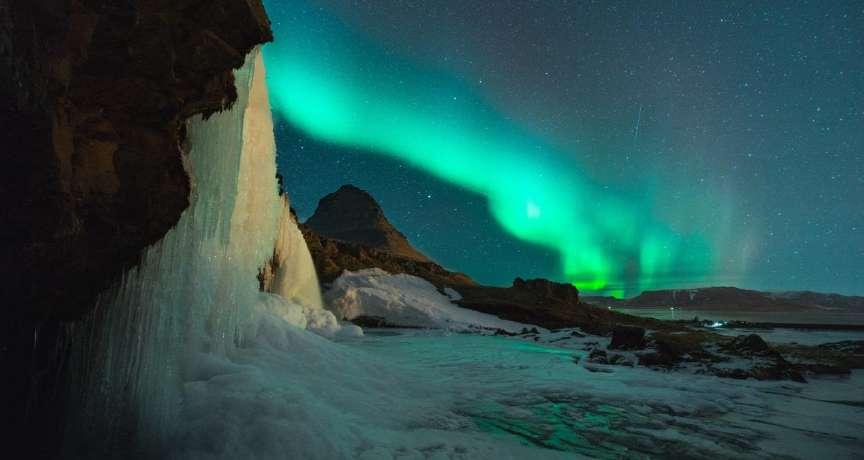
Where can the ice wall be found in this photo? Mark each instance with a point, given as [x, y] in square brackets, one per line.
[196, 290]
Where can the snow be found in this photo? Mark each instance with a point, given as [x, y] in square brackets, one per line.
[407, 301]
[539, 394]
[291, 394]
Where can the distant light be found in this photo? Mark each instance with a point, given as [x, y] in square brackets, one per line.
[717, 324]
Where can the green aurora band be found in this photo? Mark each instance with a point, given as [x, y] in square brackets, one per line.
[340, 86]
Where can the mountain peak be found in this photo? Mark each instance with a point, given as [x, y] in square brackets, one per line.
[352, 215]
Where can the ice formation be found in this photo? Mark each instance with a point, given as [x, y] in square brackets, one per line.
[291, 276]
[195, 292]
[294, 277]
[406, 300]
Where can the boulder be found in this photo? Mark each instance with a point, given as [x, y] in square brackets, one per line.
[627, 338]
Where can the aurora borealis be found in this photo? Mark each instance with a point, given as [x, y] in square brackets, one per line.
[616, 225]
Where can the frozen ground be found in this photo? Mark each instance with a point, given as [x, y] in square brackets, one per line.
[408, 393]
[539, 395]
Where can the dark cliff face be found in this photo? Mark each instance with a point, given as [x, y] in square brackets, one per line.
[352, 215]
[93, 98]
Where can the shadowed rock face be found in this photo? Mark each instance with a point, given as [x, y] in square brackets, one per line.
[93, 97]
[352, 215]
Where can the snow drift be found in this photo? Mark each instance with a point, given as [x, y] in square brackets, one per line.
[405, 300]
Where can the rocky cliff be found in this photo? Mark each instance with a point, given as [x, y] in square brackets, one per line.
[93, 99]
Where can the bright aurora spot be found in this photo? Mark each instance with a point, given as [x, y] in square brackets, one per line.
[339, 86]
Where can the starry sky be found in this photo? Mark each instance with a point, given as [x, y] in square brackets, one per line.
[619, 146]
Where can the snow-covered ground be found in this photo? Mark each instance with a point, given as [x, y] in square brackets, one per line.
[541, 396]
[291, 393]
[409, 393]
[405, 300]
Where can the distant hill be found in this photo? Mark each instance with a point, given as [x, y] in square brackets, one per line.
[732, 298]
[349, 231]
[353, 216]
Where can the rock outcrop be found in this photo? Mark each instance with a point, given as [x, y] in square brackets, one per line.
[353, 216]
[549, 290]
[547, 304]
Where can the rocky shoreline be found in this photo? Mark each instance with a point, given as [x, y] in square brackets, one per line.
[705, 353]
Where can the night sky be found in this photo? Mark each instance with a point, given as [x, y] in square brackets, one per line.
[620, 146]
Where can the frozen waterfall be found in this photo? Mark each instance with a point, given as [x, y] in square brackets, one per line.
[290, 274]
[195, 292]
